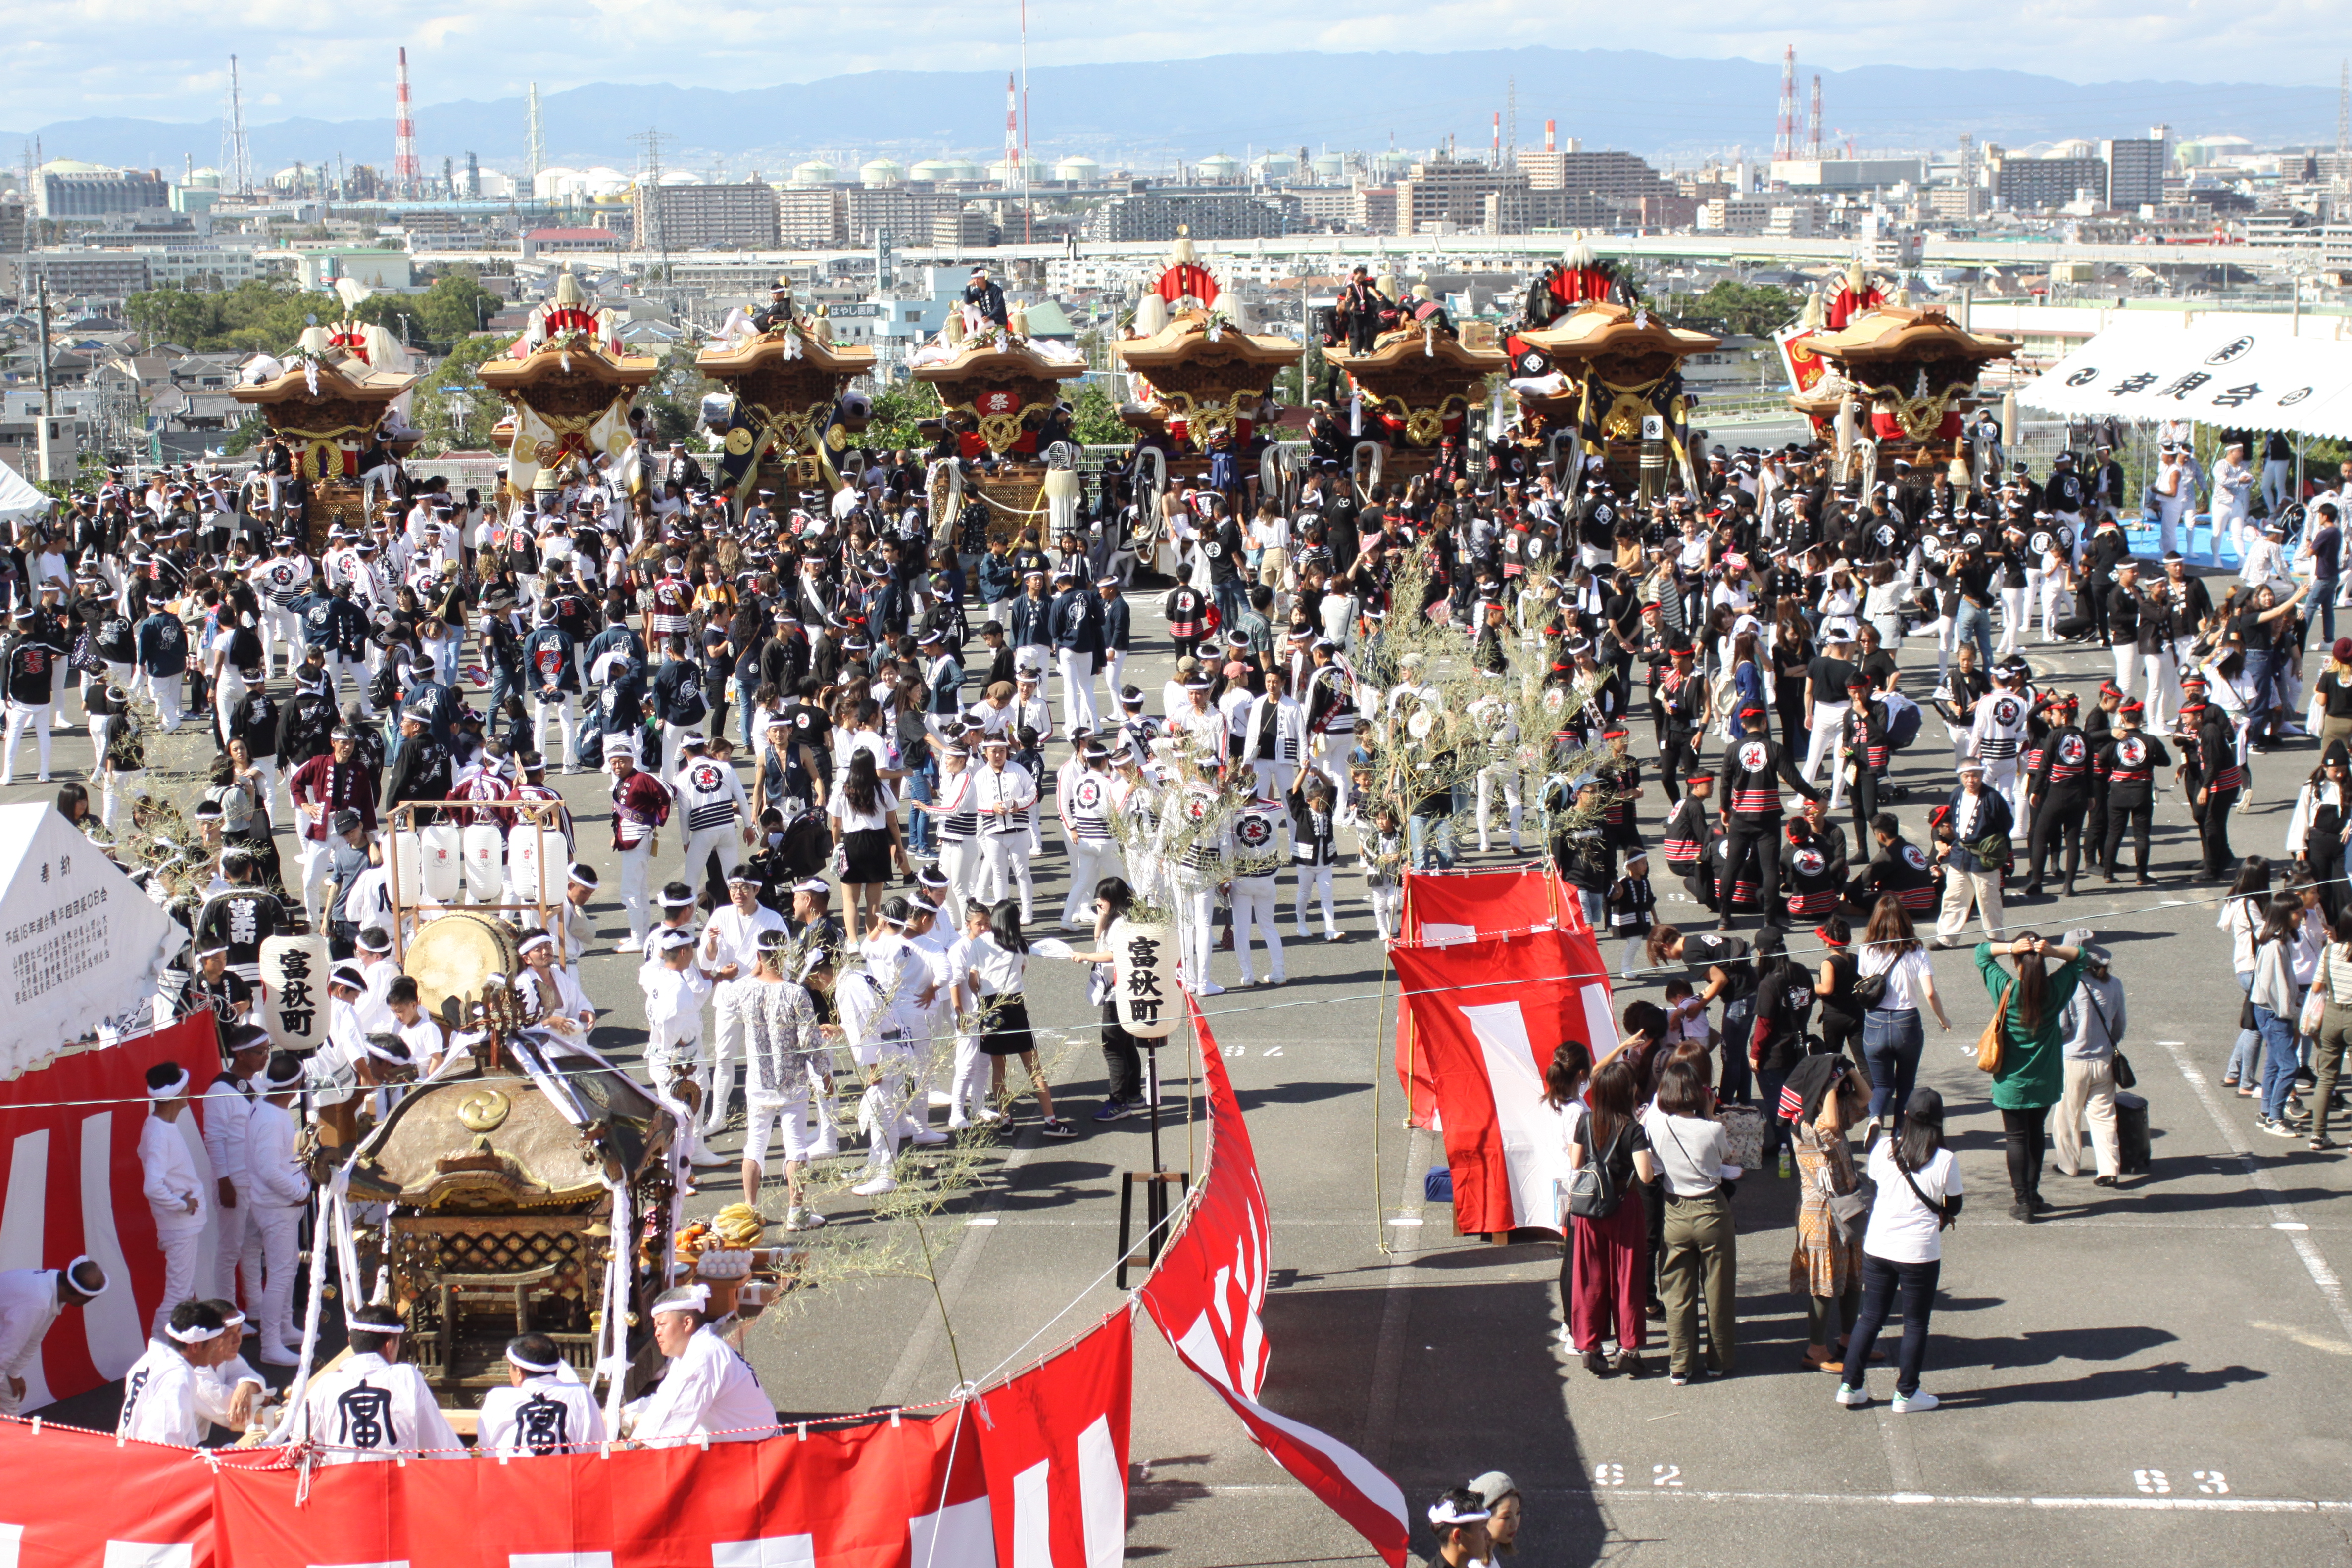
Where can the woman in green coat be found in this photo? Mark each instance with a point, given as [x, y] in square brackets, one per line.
[2032, 1076]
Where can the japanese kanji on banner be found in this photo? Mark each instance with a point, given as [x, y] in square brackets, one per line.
[1487, 1016]
[1031, 1474]
[1205, 1294]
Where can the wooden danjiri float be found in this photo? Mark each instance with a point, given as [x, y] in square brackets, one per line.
[1001, 396]
[1597, 375]
[568, 382]
[327, 400]
[1199, 386]
[1414, 391]
[1896, 382]
[788, 414]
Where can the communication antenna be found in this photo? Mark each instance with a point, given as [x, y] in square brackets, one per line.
[650, 139]
[236, 160]
[1784, 145]
[406, 174]
[534, 141]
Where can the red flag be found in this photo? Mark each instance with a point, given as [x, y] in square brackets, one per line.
[1053, 1444]
[1205, 1294]
[1445, 907]
[1487, 1016]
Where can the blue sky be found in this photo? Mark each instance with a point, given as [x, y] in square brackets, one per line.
[150, 58]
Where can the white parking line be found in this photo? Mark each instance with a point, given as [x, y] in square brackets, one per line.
[2282, 1214]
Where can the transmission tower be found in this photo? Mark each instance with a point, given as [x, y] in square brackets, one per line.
[652, 235]
[534, 155]
[1784, 145]
[1814, 125]
[405, 175]
[1511, 120]
[2343, 108]
[236, 159]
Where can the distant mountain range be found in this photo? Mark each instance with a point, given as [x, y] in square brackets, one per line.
[1148, 115]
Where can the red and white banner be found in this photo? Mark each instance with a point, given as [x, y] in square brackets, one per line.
[1032, 1474]
[1205, 1294]
[1487, 1016]
[70, 1132]
[1442, 907]
[77, 1499]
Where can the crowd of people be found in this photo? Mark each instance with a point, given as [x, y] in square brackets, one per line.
[860, 724]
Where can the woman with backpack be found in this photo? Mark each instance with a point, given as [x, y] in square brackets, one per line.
[1917, 1197]
[1608, 1229]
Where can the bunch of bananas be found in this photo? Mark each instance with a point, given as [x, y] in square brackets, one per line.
[738, 1226]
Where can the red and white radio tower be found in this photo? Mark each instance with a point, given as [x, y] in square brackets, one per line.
[1012, 131]
[1814, 125]
[1784, 145]
[404, 173]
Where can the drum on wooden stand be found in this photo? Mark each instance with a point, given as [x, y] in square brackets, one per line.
[453, 954]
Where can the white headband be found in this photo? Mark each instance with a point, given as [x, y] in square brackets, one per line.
[561, 1369]
[194, 1336]
[684, 1299]
[171, 1091]
[1442, 1512]
[71, 1268]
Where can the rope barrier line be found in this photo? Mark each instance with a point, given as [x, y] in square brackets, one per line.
[1083, 1035]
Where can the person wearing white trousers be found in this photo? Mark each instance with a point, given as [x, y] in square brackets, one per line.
[227, 1111]
[566, 714]
[1003, 794]
[280, 1191]
[1077, 667]
[174, 1196]
[1257, 837]
[1085, 817]
[20, 716]
[885, 1053]
[730, 953]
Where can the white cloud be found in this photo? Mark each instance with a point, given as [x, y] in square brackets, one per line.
[72, 59]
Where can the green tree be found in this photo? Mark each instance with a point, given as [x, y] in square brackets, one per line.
[452, 406]
[897, 410]
[1753, 310]
[1094, 418]
[454, 307]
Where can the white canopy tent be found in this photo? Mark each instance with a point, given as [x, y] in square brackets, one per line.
[2242, 372]
[81, 946]
[19, 499]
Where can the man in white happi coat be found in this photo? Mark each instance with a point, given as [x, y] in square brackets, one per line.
[708, 1390]
[162, 1396]
[371, 1405]
[168, 1177]
[730, 951]
[545, 1409]
[31, 1301]
[277, 1190]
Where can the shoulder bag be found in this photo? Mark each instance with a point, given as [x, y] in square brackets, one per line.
[1944, 1220]
[1995, 1037]
[2314, 1006]
[1849, 1212]
[2124, 1077]
[1870, 989]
